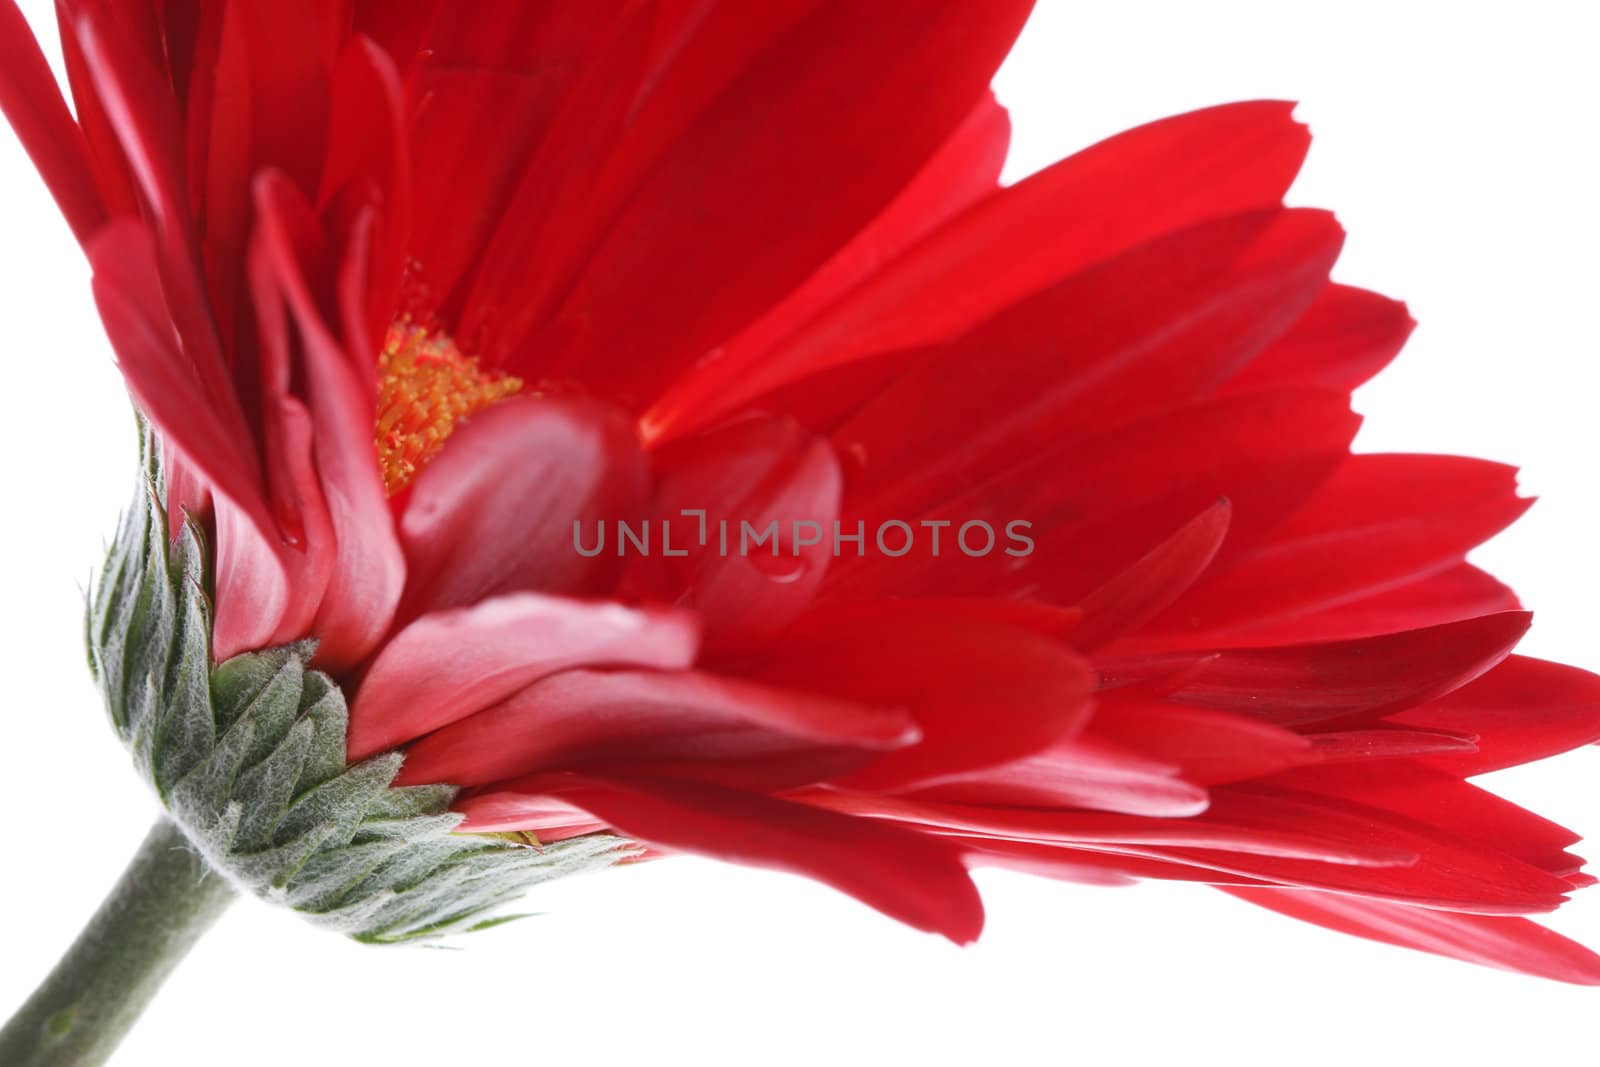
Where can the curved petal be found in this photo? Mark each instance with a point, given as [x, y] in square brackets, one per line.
[1513, 944]
[486, 82]
[1301, 685]
[754, 505]
[149, 131]
[1265, 830]
[1209, 747]
[166, 385]
[983, 692]
[447, 665]
[365, 583]
[1159, 577]
[911, 877]
[1155, 179]
[366, 188]
[1085, 772]
[1445, 803]
[1379, 522]
[1155, 328]
[32, 103]
[641, 717]
[1343, 339]
[712, 202]
[964, 171]
[1097, 503]
[1523, 710]
[272, 552]
[494, 512]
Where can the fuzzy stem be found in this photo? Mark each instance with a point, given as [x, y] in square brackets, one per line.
[164, 901]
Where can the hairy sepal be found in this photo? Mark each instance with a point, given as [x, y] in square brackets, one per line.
[248, 757]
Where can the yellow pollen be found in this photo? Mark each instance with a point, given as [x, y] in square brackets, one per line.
[425, 388]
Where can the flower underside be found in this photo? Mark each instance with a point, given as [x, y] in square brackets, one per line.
[426, 386]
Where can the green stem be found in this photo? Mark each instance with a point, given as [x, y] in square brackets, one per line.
[164, 901]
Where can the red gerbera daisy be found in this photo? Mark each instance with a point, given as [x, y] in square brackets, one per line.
[422, 299]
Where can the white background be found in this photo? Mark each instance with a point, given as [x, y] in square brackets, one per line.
[1457, 143]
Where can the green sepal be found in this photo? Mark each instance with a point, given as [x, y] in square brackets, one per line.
[248, 758]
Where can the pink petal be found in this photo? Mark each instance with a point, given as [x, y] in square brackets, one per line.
[445, 666]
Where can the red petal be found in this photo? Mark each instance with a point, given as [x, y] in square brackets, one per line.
[1512, 944]
[1098, 503]
[366, 185]
[1342, 340]
[1263, 834]
[494, 512]
[1298, 685]
[288, 52]
[490, 79]
[1443, 802]
[369, 569]
[141, 112]
[512, 289]
[445, 666]
[966, 169]
[1210, 747]
[397, 28]
[1239, 830]
[712, 203]
[1156, 580]
[1387, 742]
[983, 692]
[756, 476]
[1085, 772]
[1381, 521]
[1152, 180]
[32, 102]
[1523, 710]
[268, 588]
[1449, 872]
[916, 879]
[1155, 328]
[1077, 865]
[111, 169]
[638, 717]
[133, 307]
[1461, 592]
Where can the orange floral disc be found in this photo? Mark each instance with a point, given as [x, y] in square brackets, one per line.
[426, 387]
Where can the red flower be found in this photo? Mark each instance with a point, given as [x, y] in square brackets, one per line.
[408, 291]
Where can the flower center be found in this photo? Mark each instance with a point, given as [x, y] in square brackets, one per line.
[425, 388]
